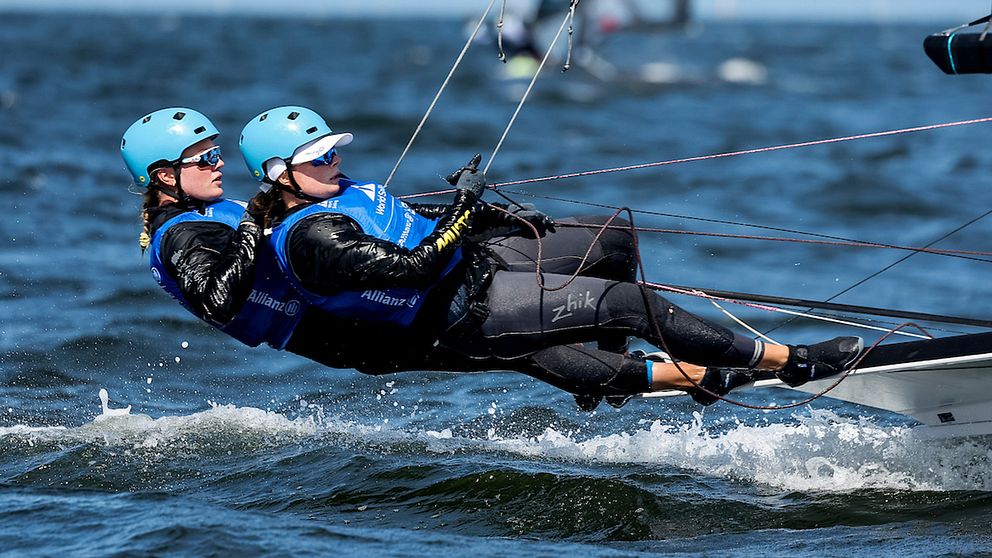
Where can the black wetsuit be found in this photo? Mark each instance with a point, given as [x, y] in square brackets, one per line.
[488, 315]
[493, 315]
[212, 264]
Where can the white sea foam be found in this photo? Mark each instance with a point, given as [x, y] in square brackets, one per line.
[822, 452]
[216, 426]
[819, 451]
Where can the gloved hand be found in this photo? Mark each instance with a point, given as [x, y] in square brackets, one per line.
[529, 212]
[469, 178]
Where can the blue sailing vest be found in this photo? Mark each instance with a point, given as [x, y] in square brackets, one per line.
[378, 214]
[273, 308]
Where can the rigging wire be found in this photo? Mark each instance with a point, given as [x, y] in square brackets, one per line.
[500, 53]
[444, 85]
[571, 31]
[838, 243]
[893, 264]
[768, 308]
[530, 87]
[682, 160]
[569, 18]
[745, 152]
[830, 240]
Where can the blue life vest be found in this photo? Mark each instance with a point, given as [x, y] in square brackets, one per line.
[378, 214]
[273, 308]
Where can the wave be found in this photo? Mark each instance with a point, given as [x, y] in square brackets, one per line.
[819, 452]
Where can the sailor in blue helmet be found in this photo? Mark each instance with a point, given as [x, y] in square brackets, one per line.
[452, 287]
[205, 252]
[203, 248]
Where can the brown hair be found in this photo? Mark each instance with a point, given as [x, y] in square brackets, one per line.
[268, 204]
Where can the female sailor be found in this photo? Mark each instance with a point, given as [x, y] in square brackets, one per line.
[407, 287]
[205, 251]
[203, 248]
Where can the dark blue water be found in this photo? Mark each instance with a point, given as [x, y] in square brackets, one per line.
[234, 450]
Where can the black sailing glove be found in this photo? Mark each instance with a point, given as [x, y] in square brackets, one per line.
[529, 212]
[468, 178]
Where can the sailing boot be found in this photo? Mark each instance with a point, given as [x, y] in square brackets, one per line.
[821, 360]
[720, 381]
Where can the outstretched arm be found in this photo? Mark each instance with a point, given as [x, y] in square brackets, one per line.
[330, 253]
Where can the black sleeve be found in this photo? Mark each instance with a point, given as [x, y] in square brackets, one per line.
[329, 253]
[213, 265]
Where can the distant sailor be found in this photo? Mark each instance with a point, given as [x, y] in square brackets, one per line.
[452, 287]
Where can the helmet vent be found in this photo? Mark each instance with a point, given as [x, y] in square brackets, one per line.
[146, 119]
[312, 130]
[200, 130]
[263, 117]
[179, 116]
[293, 115]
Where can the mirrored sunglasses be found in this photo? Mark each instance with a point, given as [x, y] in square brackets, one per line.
[325, 159]
[206, 159]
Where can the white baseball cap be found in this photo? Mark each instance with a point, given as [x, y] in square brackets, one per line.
[307, 152]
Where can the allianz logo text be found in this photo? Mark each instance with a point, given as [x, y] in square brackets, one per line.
[290, 308]
[383, 298]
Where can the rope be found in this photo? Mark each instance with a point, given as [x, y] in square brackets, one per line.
[745, 152]
[645, 285]
[539, 276]
[526, 94]
[444, 85]
[850, 244]
[744, 324]
[893, 264]
[767, 308]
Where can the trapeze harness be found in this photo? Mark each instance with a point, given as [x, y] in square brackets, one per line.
[272, 310]
[378, 214]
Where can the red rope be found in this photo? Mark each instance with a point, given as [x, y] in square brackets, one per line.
[747, 152]
[653, 319]
[721, 155]
[853, 244]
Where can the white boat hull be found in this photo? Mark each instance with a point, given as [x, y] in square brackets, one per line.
[930, 381]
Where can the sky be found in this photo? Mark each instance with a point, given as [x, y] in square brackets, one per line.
[937, 11]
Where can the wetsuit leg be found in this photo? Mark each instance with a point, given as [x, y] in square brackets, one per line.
[524, 319]
[611, 256]
[585, 371]
[573, 368]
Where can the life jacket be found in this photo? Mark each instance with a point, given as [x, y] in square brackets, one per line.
[383, 216]
[273, 308]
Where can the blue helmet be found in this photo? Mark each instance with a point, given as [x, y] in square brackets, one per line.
[279, 132]
[162, 136]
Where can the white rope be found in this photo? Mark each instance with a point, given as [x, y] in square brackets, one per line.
[527, 92]
[744, 324]
[766, 307]
[444, 85]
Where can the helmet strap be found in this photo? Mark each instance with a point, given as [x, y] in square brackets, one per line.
[295, 190]
[182, 198]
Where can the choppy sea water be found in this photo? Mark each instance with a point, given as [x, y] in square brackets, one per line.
[234, 450]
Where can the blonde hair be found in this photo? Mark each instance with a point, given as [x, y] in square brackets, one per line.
[149, 200]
